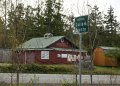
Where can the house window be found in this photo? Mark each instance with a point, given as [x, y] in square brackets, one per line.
[44, 54]
[64, 55]
[62, 40]
[58, 56]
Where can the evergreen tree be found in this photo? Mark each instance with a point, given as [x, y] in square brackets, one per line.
[39, 21]
[45, 20]
[29, 27]
[49, 12]
[59, 24]
[110, 21]
[54, 22]
[16, 23]
[111, 25]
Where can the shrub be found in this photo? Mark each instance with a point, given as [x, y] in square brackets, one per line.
[33, 68]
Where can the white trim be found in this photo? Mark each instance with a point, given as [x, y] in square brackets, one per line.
[62, 40]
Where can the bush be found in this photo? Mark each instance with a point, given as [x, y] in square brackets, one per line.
[33, 68]
[46, 69]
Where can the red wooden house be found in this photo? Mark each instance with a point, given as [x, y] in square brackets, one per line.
[50, 50]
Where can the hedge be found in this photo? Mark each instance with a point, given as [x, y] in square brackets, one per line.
[33, 68]
[46, 69]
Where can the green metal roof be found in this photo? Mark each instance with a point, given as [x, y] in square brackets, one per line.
[40, 42]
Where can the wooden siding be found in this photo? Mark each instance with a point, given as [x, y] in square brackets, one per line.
[60, 44]
[35, 57]
[30, 57]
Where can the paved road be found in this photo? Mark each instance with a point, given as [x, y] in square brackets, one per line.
[59, 78]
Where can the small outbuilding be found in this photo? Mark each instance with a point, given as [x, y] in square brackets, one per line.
[100, 59]
[50, 50]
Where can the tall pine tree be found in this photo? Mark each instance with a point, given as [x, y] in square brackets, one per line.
[30, 25]
[111, 26]
[54, 22]
[16, 23]
[110, 21]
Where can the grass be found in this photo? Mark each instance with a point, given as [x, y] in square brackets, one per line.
[114, 70]
[5, 64]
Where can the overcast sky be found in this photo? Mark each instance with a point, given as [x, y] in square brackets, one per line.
[79, 7]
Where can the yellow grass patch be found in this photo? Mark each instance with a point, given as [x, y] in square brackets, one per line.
[5, 64]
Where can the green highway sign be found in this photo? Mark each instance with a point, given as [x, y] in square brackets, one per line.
[81, 24]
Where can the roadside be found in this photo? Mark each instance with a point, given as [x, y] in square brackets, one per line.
[58, 78]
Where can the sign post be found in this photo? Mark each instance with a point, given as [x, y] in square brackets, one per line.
[81, 26]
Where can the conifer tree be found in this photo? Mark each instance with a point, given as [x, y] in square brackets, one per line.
[29, 27]
[111, 26]
[16, 22]
[54, 22]
[110, 21]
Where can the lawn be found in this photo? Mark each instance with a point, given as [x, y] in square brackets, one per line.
[5, 64]
[108, 69]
